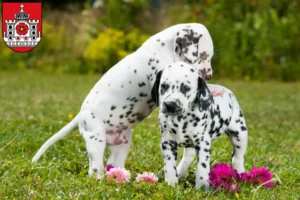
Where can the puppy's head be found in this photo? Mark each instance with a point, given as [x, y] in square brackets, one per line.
[193, 45]
[179, 86]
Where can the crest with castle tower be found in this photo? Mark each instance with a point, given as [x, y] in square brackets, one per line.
[22, 31]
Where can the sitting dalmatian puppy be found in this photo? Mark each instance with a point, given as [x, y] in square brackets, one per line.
[122, 97]
[191, 117]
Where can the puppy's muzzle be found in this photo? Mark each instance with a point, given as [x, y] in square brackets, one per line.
[171, 108]
[206, 74]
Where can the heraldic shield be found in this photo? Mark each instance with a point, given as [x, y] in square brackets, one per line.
[22, 25]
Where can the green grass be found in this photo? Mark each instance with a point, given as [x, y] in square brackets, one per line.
[34, 106]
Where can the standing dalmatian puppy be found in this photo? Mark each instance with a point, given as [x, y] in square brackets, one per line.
[191, 117]
[122, 97]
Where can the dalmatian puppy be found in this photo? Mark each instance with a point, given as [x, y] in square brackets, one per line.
[122, 97]
[191, 117]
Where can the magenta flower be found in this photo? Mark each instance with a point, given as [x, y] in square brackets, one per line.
[259, 176]
[118, 175]
[148, 177]
[108, 167]
[245, 176]
[222, 175]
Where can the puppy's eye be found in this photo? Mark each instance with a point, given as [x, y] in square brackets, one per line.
[164, 87]
[184, 88]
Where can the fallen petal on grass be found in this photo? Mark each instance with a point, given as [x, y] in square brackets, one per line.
[148, 177]
[118, 175]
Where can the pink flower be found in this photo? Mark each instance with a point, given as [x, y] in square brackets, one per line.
[222, 175]
[259, 176]
[148, 177]
[118, 175]
[108, 167]
[234, 188]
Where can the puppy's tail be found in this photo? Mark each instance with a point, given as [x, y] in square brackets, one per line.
[62, 133]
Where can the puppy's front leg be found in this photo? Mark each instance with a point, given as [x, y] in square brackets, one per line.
[202, 146]
[186, 161]
[169, 152]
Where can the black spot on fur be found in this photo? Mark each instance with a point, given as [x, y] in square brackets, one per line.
[142, 84]
[143, 95]
[241, 114]
[113, 107]
[179, 118]
[243, 128]
[173, 131]
[185, 125]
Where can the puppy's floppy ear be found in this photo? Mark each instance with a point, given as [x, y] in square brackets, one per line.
[186, 45]
[204, 97]
[155, 88]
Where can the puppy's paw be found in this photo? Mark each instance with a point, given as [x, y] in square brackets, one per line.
[181, 172]
[97, 173]
[172, 181]
[202, 183]
[238, 165]
[99, 176]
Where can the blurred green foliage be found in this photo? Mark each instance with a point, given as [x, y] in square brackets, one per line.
[111, 46]
[254, 40]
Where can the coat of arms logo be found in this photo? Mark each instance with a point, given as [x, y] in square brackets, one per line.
[22, 25]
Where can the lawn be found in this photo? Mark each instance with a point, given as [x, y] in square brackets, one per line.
[34, 106]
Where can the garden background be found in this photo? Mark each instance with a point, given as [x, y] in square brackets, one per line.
[254, 40]
[257, 45]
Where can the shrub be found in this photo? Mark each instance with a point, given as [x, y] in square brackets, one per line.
[253, 39]
[111, 46]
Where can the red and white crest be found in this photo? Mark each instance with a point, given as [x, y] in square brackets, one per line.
[22, 25]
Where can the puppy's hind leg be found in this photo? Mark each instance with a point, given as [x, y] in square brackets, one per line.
[118, 153]
[94, 135]
[238, 135]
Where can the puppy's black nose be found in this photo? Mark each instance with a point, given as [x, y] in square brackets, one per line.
[207, 77]
[171, 107]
